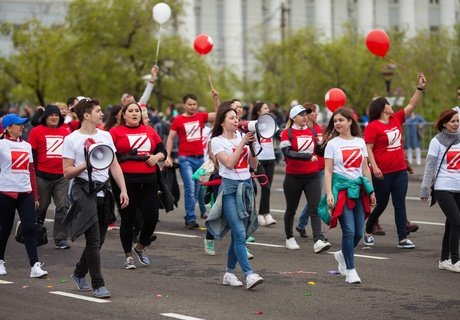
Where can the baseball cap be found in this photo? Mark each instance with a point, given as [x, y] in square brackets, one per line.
[11, 119]
[296, 110]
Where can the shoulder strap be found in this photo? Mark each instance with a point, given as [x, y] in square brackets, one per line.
[312, 128]
[290, 134]
[442, 159]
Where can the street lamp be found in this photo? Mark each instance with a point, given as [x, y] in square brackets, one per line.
[387, 72]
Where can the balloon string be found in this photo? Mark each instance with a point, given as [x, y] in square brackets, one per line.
[158, 46]
[398, 64]
[207, 71]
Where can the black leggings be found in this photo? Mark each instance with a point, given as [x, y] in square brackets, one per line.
[25, 204]
[266, 167]
[293, 186]
[450, 205]
[143, 196]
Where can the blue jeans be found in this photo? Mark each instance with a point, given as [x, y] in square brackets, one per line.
[201, 201]
[352, 223]
[303, 219]
[395, 184]
[237, 248]
[188, 165]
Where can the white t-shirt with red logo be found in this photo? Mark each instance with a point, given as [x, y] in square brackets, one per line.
[241, 169]
[268, 151]
[347, 156]
[449, 174]
[74, 149]
[15, 158]
[189, 131]
[387, 140]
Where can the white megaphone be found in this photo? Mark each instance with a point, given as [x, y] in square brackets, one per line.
[264, 127]
[99, 156]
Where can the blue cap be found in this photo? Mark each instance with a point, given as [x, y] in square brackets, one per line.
[13, 118]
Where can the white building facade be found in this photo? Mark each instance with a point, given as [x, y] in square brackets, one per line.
[240, 27]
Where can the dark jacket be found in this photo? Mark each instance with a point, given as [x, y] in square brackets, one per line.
[83, 211]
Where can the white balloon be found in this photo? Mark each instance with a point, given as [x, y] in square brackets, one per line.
[161, 12]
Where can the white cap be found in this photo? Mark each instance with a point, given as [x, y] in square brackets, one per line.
[296, 110]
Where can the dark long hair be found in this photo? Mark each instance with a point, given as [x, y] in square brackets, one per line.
[256, 109]
[444, 117]
[376, 108]
[222, 111]
[330, 131]
[111, 119]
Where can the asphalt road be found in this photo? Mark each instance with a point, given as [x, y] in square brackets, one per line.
[183, 283]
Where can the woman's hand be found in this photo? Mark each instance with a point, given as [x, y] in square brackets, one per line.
[377, 173]
[249, 137]
[124, 200]
[314, 158]
[372, 200]
[152, 160]
[421, 81]
[330, 200]
[37, 205]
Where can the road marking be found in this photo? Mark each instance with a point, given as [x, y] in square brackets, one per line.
[429, 223]
[179, 316]
[177, 234]
[366, 256]
[77, 296]
[5, 282]
[49, 220]
[277, 210]
[265, 244]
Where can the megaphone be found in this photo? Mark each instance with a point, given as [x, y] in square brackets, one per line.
[99, 156]
[264, 127]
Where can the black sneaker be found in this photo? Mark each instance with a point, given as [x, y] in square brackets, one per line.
[192, 225]
[303, 233]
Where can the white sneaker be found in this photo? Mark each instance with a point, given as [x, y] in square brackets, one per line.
[321, 246]
[2, 268]
[453, 267]
[253, 280]
[209, 247]
[352, 276]
[231, 280]
[37, 272]
[291, 244]
[269, 221]
[342, 266]
[250, 255]
[261, 220]
[443, 264]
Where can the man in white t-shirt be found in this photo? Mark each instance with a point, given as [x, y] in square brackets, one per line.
[94, 206]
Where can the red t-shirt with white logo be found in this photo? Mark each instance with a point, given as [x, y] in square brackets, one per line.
[48, 144]
[302, 141]
[387, 140]
[189, 131]
[319, 140]
[347, 156]
[143, 138]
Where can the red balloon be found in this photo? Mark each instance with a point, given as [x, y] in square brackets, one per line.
[203, 44]
[335, 98]
[378, 42]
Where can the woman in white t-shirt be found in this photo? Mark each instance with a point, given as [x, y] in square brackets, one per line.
[18, 191]
[442, 167]
[347, 181]
[234, 158]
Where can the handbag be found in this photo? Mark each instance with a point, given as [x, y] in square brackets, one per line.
[432, 192]
[41, 233]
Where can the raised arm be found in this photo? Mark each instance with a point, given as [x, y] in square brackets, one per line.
[413, 102]
[150, 85]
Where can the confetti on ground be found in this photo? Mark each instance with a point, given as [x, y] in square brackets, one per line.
[259, 313]
[308, 294]
[333, 272]
[159, 296]
[312, 283]
[25, 287]
[49, 287]
[298, 272]
[202, 228]
[62, 281]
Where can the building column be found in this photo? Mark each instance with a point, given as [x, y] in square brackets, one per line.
[233, 35]
[407, 17]
[323, 17]
[365, 15]
[447, 10]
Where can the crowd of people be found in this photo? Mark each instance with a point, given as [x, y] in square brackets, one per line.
[355, 171]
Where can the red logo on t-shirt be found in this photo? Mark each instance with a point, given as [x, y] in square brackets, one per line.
[265, 140]
[19, 160]
[352, 158]
[243, 160]
[453, 160]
